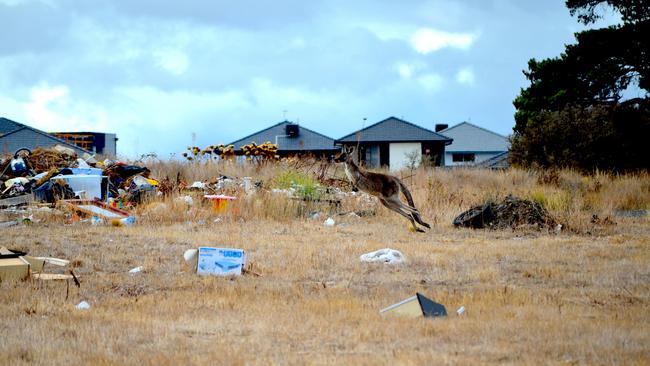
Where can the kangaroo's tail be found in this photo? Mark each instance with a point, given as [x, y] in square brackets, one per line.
[407, 194]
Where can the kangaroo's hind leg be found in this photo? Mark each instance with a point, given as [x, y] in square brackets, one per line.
[418, 218]
[413, 212]
[411, 205]
[398, 207]
[410, 209]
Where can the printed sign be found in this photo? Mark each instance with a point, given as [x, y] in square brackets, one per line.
[220, 261]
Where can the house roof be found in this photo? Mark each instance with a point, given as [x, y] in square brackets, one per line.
[394, 129]
[9, 128]
[500, 161]
[472, 138]
[306, 140]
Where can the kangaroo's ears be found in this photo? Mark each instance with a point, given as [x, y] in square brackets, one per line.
[349, 149]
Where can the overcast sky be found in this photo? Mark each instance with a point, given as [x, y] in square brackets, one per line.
[156, 72]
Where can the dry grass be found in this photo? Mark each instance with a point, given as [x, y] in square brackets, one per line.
[580, 297]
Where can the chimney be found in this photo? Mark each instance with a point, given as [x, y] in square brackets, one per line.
[292, 130]
[441, 126]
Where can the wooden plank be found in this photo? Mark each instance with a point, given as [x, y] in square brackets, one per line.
[51, 276]
[16, 201]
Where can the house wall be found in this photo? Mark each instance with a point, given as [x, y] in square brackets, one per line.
[110, 144]
[28, 139]
[400, 154]
[468, 138]
[478, 157]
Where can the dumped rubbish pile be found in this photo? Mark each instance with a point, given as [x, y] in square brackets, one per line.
[58, 176]
[512, 212]
[223, 185]
[42, 160]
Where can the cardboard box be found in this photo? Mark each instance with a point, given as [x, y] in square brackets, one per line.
[220, 261]
[13, 269]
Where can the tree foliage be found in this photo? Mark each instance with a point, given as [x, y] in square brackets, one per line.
[606, 137]
[586, 83]
[631, 10]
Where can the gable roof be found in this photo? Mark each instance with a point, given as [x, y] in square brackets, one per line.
[306, 140]
[7, 125]
[469, 137]
[394, 129]
[9, 129]
[499, 161]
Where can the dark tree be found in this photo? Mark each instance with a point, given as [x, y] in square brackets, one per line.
[572, 109]
[631, 11]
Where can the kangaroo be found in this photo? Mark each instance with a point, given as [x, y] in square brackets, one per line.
[383, 186]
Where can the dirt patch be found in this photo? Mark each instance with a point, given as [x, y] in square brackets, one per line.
[513, 212]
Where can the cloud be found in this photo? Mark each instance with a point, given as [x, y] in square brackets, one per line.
[405, 70]
[38, 109]
[173, 61]
[51, 108]
[12, 2]
[465, 76]
[154, 72]
[427, 40]
[431, 82]
[409, 69]
[423, 40]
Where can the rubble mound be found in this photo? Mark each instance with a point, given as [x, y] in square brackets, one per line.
[45, 159]
[513, 212]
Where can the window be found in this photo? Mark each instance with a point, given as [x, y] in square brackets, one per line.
[463, 158]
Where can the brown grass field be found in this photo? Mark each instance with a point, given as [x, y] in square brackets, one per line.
[581, 296]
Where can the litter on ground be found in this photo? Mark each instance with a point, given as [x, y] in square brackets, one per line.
[416, 306]
[220, 261]
[386, 255]
[136, 270]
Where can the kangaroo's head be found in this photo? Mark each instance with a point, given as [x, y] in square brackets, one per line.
[345, 155]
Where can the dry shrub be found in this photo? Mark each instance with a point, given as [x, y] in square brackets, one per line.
[440, 194]
[170, 210]
[265, 205]
[627, 192]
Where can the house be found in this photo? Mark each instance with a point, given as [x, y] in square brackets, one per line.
[472, 144]
[14, 136]
[291, 139]
[397, 144]
[97, 142]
